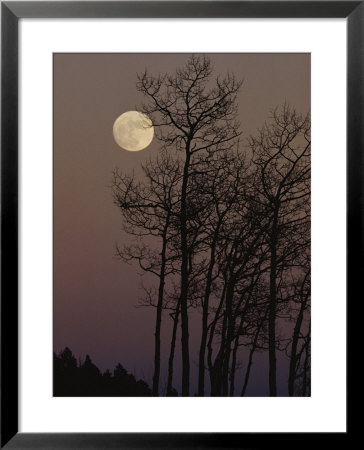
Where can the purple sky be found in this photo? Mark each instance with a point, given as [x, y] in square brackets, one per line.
[94, 293]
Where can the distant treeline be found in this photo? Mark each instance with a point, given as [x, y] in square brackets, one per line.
[84, 379]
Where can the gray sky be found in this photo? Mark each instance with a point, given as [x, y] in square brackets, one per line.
[95, 294]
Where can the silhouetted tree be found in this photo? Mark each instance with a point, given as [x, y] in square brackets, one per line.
[281, 152]
[71, 379]
[175, 317]
[300, 337]
[91, 377]
[65, 373]
[194, 114]
[224, 229]
[220, 188]
[148, 208]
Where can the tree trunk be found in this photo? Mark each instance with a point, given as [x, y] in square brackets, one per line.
[220, 358]
[306, 379]
[184, 281]
[201, 365]
[235, 351]
[216, 372]
[158, 322]
[272, 308]
[211, 336]
[247, 373]
[251, 353]
[171, 354]
[293, 358]
[205, 312]
[233, 363]
[230, 324]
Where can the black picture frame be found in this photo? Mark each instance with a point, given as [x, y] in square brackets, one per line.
[11, 12]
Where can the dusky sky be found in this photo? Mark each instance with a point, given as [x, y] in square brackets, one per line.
[95, 294]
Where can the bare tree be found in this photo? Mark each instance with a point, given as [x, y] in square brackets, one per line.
[281, 152]
[219, 186]
[194, 114]
[148, 208]
[300, 314]
[225, 230]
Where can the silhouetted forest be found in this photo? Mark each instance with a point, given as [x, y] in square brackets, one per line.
[222, 222]
[72, 378]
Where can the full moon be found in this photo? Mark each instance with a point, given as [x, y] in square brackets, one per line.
[133, 131]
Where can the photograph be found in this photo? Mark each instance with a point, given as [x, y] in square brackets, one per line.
[181, 225]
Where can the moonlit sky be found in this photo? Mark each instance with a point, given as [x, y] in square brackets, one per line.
[95, 294]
